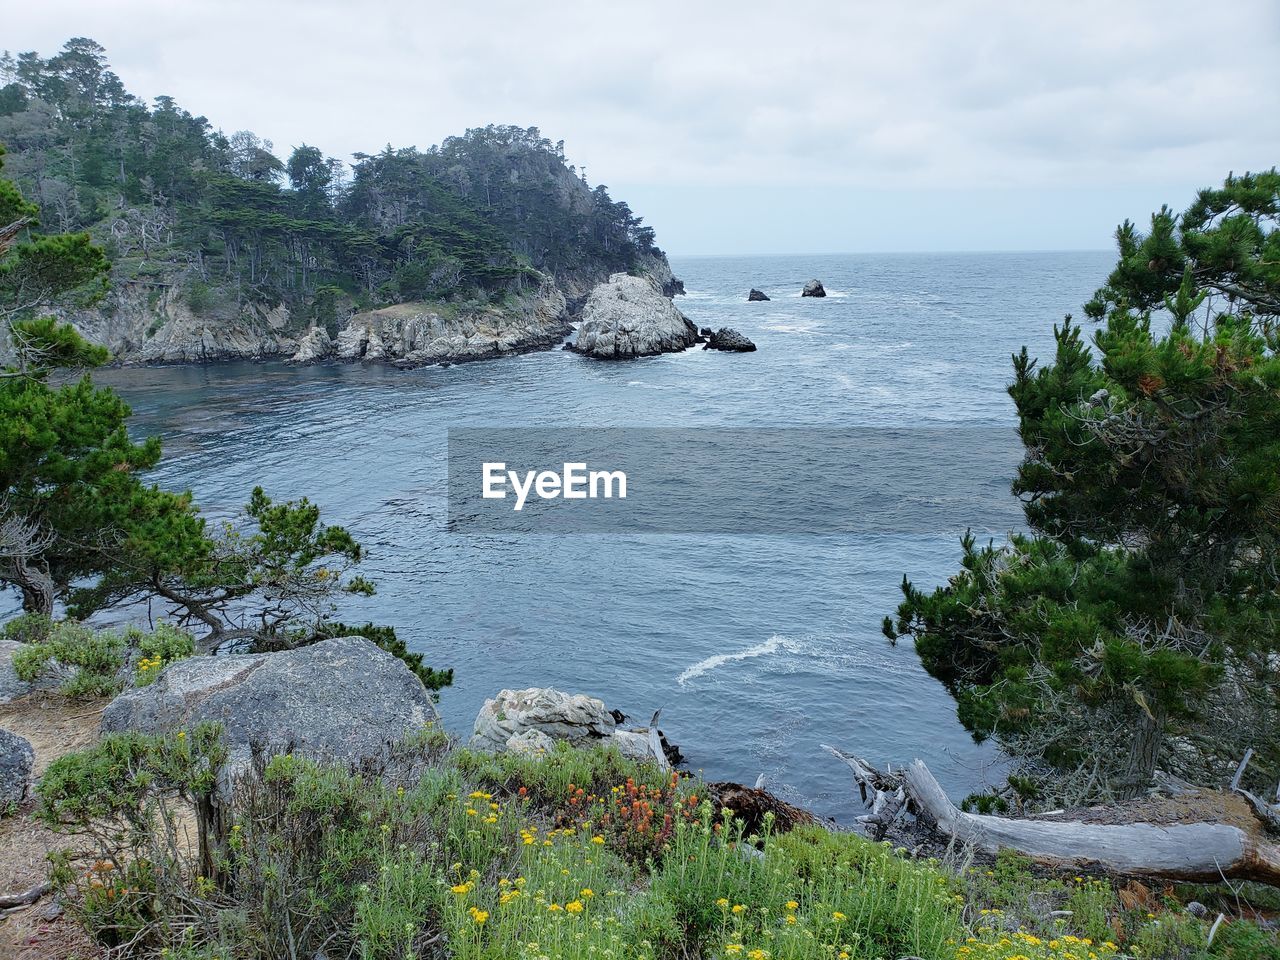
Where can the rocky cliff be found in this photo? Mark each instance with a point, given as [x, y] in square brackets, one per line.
[413, 334]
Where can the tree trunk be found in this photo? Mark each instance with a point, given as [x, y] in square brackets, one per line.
[1230, 842]
[1144, 751]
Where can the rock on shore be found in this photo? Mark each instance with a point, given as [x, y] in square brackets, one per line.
[532, 720]
[630, 317]
[16, 760]
[813, 288]
[341, 699]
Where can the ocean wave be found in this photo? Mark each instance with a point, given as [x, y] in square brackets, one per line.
[772, 645]
[802, 651]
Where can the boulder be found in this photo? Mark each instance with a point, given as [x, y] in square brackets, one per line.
[10, 686]
[530, 721]
[726, 338]
[630, 317]
[342, 699]
[757, 295]
[813, 288]
[16, 760]
[313, 346]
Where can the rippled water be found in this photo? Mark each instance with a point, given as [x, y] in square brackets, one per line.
[757, 648]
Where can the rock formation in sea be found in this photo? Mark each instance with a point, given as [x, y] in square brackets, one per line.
[756, 295]
[629, 317]
[813, 288]
[728, 339]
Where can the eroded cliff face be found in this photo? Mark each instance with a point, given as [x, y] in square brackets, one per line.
[151, 323]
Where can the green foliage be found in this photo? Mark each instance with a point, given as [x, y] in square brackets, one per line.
[93, 663]
[1144, 604]
[164, 645]
[474, 856]
[481, 214]
[93, 658]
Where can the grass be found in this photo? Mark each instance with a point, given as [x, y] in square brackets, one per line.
[575, 855]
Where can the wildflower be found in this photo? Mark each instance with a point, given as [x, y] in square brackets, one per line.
[838, 917]
[574, 906]
[723, 903]
[792, 905]
[597, 839]
[587, 893]
[478, 915]
[553, 907]
[791, 918]
[461, 888]
[733, 948]
[739, 908]
[471, 812]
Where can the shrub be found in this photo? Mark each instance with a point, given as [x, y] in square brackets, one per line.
[93, 663]
[89, 662]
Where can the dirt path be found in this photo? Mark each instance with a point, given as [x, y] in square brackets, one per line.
[55, 726]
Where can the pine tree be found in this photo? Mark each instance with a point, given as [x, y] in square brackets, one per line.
[1136, 627]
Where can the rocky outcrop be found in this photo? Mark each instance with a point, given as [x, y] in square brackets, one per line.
[630, 317]
[154, 322]
[313, 346]
[532, 720]
[728, 339]
[813, 288]
[755, 296]
[16, 760]
[414, 334]
[343, 699]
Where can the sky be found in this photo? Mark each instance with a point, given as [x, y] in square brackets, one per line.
[750, 126]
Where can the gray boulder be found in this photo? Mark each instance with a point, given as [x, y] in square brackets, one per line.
[343, 699]
[530, 721]
[813, 288]
[726, 338]
[755, 296]
[631, 317]
[10, 686]
[16, 760]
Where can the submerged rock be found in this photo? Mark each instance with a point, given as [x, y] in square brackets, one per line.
[756, 295]
[16, 760]
[532, 720]
[342, 699]
[813, 288]
[631, 317]
[726, 338]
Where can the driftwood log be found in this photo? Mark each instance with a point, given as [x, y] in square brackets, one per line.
[1205, 835]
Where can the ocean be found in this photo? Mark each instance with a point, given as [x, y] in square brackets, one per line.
[758, 648]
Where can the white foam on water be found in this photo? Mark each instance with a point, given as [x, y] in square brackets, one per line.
[802, 651]
[772, 645]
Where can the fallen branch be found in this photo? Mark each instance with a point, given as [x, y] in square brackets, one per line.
[1208, 850]
[25, 898]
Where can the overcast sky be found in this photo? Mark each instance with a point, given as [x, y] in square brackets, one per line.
[750, 127]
